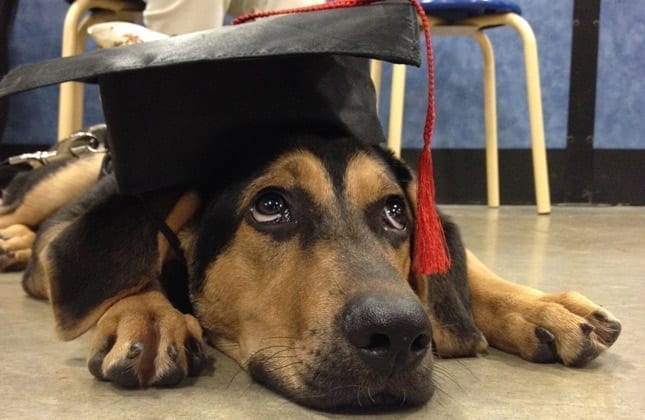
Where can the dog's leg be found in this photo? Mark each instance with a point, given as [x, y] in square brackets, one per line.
[539, 327]
[99, 261]
[32, 197]
[142, 340]
[90, 254]
[15, 247]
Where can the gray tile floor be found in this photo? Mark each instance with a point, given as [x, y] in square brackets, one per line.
[598, 251]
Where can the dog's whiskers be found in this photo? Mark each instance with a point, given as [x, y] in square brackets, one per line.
[443, 394]
[260, 354]
[298, 362]
[369, 394]
[280, 338]
[463, 365]
[443, 374]
[404, 399]
[326, 393]
[233, 378]
[280, 352]
[280, 346]
[228, 346]
[285, 357]
[454, 324]
[263, 355]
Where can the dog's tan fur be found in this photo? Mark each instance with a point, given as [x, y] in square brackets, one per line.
[272, 305]
[47, 197]
[148, 318]
[508, 314]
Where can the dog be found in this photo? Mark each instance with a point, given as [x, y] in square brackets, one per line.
[295, 262]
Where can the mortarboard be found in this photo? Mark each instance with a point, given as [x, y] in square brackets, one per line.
[174, 107]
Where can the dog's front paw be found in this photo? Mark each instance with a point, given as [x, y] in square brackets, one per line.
[143, 341]
[564, 327]
[581, 329]
[15, 247]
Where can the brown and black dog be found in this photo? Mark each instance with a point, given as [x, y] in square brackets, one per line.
[297, 266]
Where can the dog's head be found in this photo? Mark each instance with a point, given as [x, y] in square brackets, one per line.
[301, 273]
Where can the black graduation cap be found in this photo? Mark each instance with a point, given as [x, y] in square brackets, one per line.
[175, 107]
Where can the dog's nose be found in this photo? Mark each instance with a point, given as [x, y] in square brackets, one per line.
[389, 333]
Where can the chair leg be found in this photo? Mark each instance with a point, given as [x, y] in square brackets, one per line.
[397, 98]
[70, 103]
[490, 119]
[376, 73]
[69, 108]
[540, 167]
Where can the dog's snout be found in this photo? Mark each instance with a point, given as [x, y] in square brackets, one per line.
[389, 333]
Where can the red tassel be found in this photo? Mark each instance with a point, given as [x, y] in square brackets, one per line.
[430, 251]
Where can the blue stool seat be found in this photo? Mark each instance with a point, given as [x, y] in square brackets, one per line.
[454, 10]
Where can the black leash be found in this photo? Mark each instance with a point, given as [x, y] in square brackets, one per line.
[174, 279]
[165, 230]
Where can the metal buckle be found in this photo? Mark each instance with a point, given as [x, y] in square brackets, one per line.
[74, 146]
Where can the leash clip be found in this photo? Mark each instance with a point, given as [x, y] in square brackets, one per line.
[82, 142]
[74, 146]
[35, 159]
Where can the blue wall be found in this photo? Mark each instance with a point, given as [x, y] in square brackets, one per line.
[459, 89]
[36, 36]
[620, 102]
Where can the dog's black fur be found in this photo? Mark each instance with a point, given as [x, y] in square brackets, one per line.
[102, 251]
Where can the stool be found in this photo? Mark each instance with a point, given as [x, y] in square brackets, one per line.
[470, 17]
[81, 15]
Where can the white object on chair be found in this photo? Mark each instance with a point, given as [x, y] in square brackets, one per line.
[81, 15]
[118, 33]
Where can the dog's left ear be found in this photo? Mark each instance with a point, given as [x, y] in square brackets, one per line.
[408, 183]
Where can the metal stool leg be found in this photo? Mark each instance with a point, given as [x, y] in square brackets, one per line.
[70, 105]
[490, 118]
[540, 168]
[77, 19]
[376, 73]
[397, 99]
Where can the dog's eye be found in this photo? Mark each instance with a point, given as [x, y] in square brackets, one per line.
[270, 208]
[394, 216]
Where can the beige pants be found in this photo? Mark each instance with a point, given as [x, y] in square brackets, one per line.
[174, 17]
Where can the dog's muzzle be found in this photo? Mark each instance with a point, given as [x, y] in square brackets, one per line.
[389, 333]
